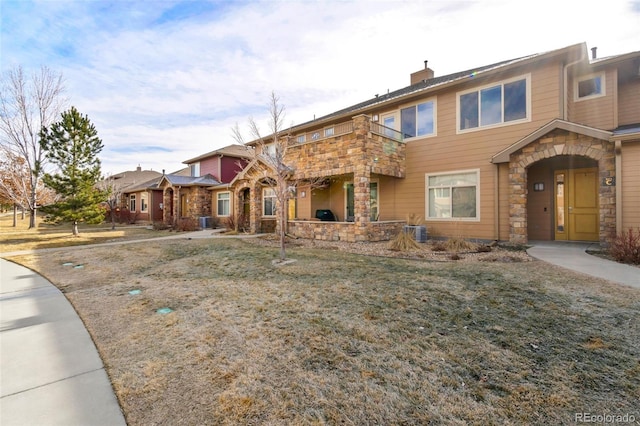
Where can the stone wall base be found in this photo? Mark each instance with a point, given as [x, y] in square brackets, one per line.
[344, 231]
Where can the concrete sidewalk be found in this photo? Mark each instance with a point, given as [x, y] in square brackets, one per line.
[50, 370]
[574, 256]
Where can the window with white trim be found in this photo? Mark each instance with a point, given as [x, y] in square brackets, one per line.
[495, 104]
[195, 169]
[329, 131]
[591, 86]
[270, 150]
[143, 202]
[268, 202]
[132, 203]
[224, 203]
[418, 120]
[453, 196]
[301, 138]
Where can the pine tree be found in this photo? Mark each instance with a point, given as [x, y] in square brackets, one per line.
[72, 144]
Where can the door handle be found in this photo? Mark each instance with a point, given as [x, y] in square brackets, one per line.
[570, 209]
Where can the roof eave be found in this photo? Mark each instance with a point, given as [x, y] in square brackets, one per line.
[503, 156]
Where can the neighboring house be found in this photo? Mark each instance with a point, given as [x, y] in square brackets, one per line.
[542, 147]
[208, 175]
[129, 190]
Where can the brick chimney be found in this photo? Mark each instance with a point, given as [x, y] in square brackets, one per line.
[138, 169]
[424, 74]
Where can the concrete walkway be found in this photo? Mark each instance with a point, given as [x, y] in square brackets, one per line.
[574, 256]
[50, 370]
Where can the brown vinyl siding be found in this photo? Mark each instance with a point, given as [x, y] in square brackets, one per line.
[629, 102]
[630, 177]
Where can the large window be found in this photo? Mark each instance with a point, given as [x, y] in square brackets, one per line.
[224, 203]
[132, 203]
[495, 104]
[453, 195]
[268, 202]
[418, 120]
[591, 86]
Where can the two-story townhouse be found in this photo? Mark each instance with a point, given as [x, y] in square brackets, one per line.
[544, 147]
[190, 195]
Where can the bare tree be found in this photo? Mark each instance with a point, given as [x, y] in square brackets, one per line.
[272, 152]
[26, 107]
[114, 195]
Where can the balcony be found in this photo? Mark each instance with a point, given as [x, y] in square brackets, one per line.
[344, 147]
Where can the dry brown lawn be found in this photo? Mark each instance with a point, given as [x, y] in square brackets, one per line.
[51, 236]
[342, 338]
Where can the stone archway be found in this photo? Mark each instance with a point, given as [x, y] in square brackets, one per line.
[560, 142]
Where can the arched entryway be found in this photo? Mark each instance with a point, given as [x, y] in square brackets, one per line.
[573, 158]
[562, 199]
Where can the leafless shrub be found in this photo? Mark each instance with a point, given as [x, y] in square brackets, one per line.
[625, 247]
[188, 224]
[404, 241]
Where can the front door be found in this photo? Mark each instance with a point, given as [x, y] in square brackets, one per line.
[576, 199]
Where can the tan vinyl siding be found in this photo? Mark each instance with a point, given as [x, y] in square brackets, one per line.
[629, 102]
[450, 151]
[630, 177]
[503, 202]
[597, 112]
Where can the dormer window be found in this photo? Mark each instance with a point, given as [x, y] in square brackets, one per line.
[194, 169]
[591, 86]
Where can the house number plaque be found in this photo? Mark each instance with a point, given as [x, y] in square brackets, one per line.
[609, 181]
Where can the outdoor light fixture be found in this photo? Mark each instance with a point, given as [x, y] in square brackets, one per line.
[538, 186]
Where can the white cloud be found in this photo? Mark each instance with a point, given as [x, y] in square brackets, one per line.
[179, 85]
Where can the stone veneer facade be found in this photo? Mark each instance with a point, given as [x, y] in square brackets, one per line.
[555, 143]
[354, 150]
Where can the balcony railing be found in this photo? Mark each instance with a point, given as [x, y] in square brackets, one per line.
[386, 131]
[325, 133]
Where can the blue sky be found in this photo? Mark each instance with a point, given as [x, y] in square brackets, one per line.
[165, 81]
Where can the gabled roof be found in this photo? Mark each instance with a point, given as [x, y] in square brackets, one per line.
[236, 150]
[177, 180]
[503, 156]
[443, 81]
[150, 184]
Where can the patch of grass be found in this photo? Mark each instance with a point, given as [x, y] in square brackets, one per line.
[340, 338]
[52, 236]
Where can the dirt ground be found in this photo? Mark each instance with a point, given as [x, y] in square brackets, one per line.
[350, 334]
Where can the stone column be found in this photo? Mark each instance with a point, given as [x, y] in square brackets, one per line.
[362, 201]
[255, 207]
[517, 203]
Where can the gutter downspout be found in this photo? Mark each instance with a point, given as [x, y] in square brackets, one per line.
[618, 187]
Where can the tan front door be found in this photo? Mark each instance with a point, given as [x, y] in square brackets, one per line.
[576, 196]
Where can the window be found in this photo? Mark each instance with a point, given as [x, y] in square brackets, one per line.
[315, 136]
[195, 169]
[494, 105]
[268, 202]
[453, 196]
[270, 150]
[224, 203]
[418, 120]
[132, 203]
[143, 202]
[328, 132]
[591, 86]
[301, 138]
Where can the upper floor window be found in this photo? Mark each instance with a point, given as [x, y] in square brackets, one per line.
[195, 169]
[270, 150]
[418, 120]
[329, 131]
[301, 138]
[494, 104]
[591, 86]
